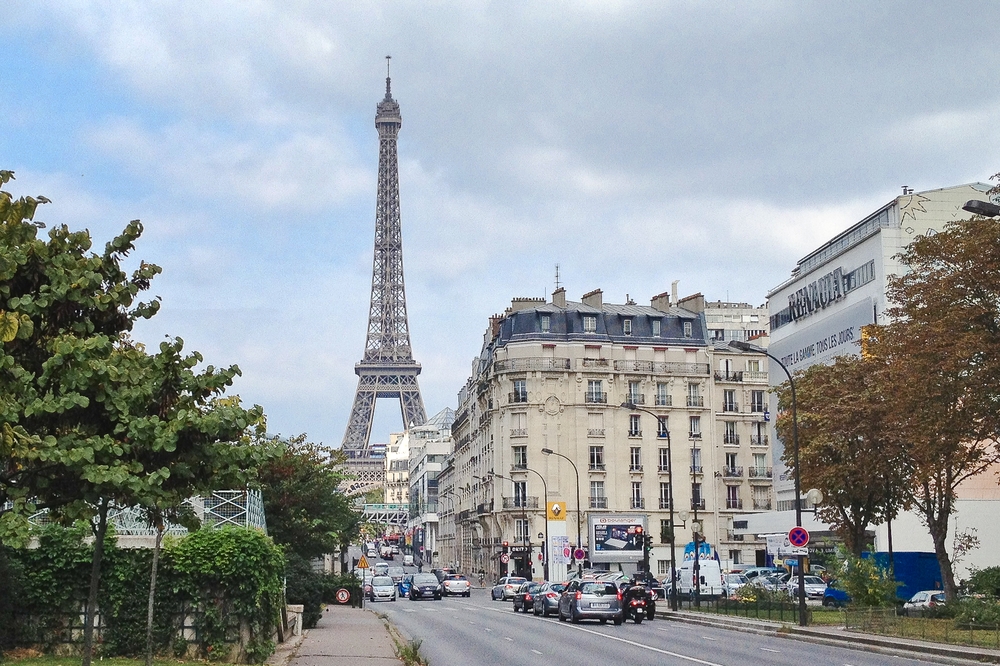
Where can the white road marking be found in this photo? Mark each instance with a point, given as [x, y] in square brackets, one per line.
[770, 650]
[409, 610]
[709, 638]
[508, 638]
[536, 651]
[487, 629]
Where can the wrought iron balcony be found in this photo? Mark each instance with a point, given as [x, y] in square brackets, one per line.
[694, 435]
[662, 368]
[635, 433]
[729, 376]
[664, 503]
[696, 401]
[636, 469]
[638, 503]
[664, 401]
[531, 363]
[734, 504]
[730, 407]
[597, 467]
[598, 502]
[760, 472]
[518, 432]
[526, 502]
[518, 466]
[757, 407]
[637, 398]
[595, 398]
[698, 504]
[697, 469]
[595, 432]
[762, 504]
[731, 438]
[595, 363]
[759, 440]
[663, 469]
[732, 472]
[485, 508]
[518, 396]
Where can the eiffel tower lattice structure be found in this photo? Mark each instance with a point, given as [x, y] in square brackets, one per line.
[387, 369]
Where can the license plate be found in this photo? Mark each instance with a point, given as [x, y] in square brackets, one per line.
[600, 605]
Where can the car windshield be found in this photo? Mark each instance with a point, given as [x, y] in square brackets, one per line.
[938, 598]
[395, 571]
[735, 579]
[457, 577]
[379, 581]
[515, 581]
[425, 579]
[599, 588]
[557, 587]
[814, 580]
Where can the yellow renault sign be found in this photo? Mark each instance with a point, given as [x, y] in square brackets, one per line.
[557, 511]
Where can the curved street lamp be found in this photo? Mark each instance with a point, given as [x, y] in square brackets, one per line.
[746, 346]
[579, 510]
[545, 547]
[662, 427]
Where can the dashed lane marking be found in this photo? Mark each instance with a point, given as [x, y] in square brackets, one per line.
[770, 650]
[536, 651]
[508, 638]
[709, 638]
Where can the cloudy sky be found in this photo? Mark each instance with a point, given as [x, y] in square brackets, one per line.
[631, 143]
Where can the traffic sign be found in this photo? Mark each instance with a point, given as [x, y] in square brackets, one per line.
[363, 563]
[343, 596]
[580, 554]
[505, 558]
[798, 537]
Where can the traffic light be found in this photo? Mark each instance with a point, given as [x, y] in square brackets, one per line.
[649, 542]
[506, 547]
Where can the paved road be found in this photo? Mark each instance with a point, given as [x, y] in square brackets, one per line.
[457, 631]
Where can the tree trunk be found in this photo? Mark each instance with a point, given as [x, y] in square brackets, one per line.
[947, 575]
[95, 581]
[152, 593]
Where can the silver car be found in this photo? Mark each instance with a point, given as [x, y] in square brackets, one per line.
[383, 588]
[815, 587]
[506, 587]
[591, 599]
[455, 584]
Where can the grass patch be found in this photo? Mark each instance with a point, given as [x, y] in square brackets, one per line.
[32, 658]
[409, 653]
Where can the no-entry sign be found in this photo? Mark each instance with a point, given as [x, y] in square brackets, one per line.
[798, 537]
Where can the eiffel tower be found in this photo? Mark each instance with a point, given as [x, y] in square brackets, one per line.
[387, 369]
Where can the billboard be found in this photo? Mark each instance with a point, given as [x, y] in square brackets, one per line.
[616, 537]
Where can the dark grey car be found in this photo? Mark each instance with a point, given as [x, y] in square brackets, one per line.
[547, 599]
[591, 599]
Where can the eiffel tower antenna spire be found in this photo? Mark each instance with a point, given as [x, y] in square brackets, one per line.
[387, 369]
[388, 93]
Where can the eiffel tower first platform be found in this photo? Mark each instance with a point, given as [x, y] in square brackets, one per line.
[387, 369]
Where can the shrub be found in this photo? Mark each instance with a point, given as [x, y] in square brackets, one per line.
[866, 582]
[984, 581]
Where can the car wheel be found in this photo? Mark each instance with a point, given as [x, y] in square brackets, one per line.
[573, 617]
[619, 620]
[638, 617]
[827, 601]
[535, 612]
[604, 620]
[562, 618]
[469, 593]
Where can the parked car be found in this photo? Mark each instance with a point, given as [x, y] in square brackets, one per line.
[546, 599]
[732, 582]
[923, 601]
[591, 599]
[834, 597]
[772, 582]
[381, 568]
[407, 560]
[814, 585]
[505, 587]
[755, 572]
[396, 574]
[524, 596]
[425, 586]
[395, 549]
[382, 587]
[456, 584]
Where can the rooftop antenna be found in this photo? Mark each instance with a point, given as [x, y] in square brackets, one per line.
[557, 276]
[387, 93]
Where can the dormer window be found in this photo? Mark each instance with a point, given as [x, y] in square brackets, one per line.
[627, 326]
[688, 329]
[546, 324]
[656, 328]
[589, 324]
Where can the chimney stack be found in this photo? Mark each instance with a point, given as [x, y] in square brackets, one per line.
[559, 297]
[594, 299]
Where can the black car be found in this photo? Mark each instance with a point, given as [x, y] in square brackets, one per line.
[425, 586]
[524, 598]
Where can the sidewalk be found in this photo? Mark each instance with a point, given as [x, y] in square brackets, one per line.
[837, 635]
[343, 637]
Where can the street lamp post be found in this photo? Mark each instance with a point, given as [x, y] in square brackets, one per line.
[524, 510]
[984, 208]
[670, 498]
[545, 546]
[451, 498]
[579, 509]
[746, 346]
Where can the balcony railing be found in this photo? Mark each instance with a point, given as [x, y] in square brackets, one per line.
[637, 398]
[760, 472]
[598, 502]
[730, 407]
[664, 401]
[518, 466]
[698, 504]
[734, 503]
[730, 438]
[635, 468]
[662, 368]
[638, 503]
[663, 469]
[757, 407]
[597, 467]
[518, 396]
[518, 432]
[532, 363]
[762, 504]
[755, 376]
[696, 401]
[635, 433]
[595, 362]
[595, 398]
[729, 376]
[483, 509]
[595, 432]
[733, 536]
[696, 469]
[732, 472]
[527, 502]
[664, 503]
[694, 435]
[759, 440]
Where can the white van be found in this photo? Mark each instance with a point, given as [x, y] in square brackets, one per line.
[407, 560]
[711, 579]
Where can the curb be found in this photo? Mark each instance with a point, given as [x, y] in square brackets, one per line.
[936, 652]
[286, 651]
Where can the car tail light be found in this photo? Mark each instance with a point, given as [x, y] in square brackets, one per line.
[527, 597]
[579, 594]
[619, 595]
[551, 595]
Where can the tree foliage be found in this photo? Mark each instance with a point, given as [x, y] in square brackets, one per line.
[846, 448]
[306, 511]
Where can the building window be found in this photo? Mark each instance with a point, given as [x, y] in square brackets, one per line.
[759, 469]
[595, 391]
[521, 493]
[662, 568]
[637, 501]
[733, 497]
[520, 393]
[519, 424]
[729, 436]
[694, 427]
[761, 498]
[697, 501]
[758, 434]
[661, 427]
[666, 530]
[688, 329]
[731, 460]
[695, 399]
[656, 328]
[634, 394]
[635, 459]
[597, 497]
[664, 460]
[521, 531]
[696, 467]
[627, 326]
[589, 324]
[664, 495]
[520, 456]
[546, 324]
[595, 424]
[753, 365]
[597, 458]
[734, 557]
[756, 401]
[662, 397]
[729, 401]
[634, 428]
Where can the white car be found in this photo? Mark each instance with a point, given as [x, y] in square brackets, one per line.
[815, 587]
[923, 601]
[382, 588]
[456, 584]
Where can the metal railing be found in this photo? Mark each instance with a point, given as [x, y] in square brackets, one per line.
[635, 468]
[528, 502]
[696, 401]
[762, 505]
[729, 376]
[637, 398]
[595, 432]
[697, 469]
[698, 504]
[518, 396]
[730, 438]
[531, 363]
[638, 503]
[635, 433]
[518, 432]
[734, 503]
[595, 398]
[732, 472]
[759, 472]
[662, 368]
[598, 502]
[730, 407]
[665, 503]
[759, 440]
[664, 401]
[597, 467]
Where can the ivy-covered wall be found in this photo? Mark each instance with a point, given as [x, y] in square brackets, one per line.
[218, 594]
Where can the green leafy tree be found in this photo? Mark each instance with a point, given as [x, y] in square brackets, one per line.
[846, 447]
[866, 582]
